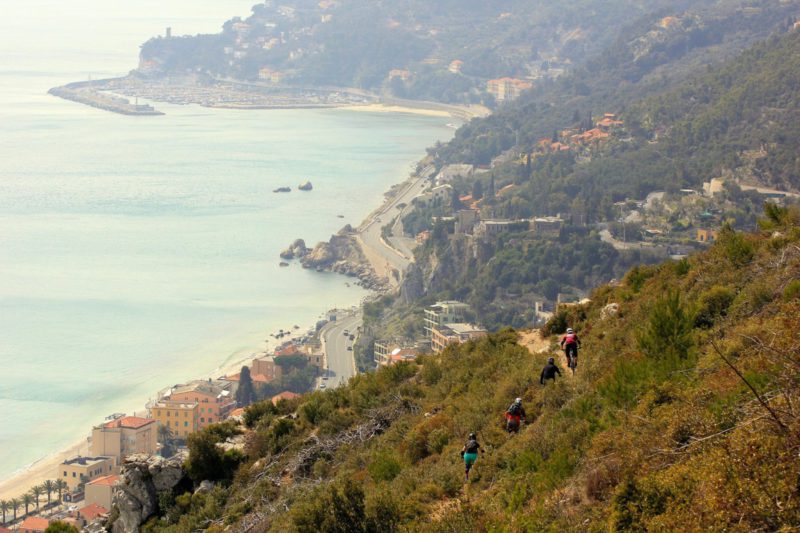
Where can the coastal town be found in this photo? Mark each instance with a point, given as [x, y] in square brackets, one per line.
[80, 489]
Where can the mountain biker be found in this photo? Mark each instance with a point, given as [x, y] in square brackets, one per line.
[549, 371]
[470, 453]
[570, 343]
[515, 414]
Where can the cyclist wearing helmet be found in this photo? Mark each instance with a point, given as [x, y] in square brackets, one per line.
[549, 371]
[515, 414]
[570, 343]
[470, 454]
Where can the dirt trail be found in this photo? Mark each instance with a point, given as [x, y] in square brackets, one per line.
[533, 341]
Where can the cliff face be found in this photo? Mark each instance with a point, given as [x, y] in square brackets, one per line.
[681, 416]
[142, 479]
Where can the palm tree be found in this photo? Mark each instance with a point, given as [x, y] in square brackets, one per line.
[27, 500]
[14, 506]
[165, 436]
[36, 492]
[5, 506]
[49, 487]
[61, 486]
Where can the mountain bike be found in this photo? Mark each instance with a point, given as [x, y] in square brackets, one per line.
[572, 358]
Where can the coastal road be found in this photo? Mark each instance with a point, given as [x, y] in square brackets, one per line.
[384, 257]
[339, 360]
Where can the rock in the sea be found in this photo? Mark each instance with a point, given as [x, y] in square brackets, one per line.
[321, 256]
[305, 186]
[297, 249]
[142, 477]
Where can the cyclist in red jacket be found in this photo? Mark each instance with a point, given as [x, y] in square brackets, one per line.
[570, 343]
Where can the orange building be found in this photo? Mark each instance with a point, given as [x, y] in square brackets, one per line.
[707, 235]
[124, 436]
[179, 417]
[214, 400]
[99, 491]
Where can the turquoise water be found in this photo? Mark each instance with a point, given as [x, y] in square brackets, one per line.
[136, 252]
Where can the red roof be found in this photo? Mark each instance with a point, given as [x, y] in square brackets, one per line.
[130, 422]
[291, 349]
[285, 395]
[4, 530]
[255, 378]
[105, 480]
[90, 512]
[35, 523]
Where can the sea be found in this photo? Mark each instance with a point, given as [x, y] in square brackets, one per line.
[140, 252]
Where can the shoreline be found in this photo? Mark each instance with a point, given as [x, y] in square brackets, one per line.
[20, 481]
[42, 469]
[112, 95]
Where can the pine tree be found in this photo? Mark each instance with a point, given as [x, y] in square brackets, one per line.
[244, 394]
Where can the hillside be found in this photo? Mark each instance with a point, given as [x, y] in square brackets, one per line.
[360, 43]
[681, 417]
[737, 122]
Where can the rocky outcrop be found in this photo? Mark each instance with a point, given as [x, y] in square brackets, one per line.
[341, 254]
[610, 311]
[142, 477]
[297, 249]
[322, 256]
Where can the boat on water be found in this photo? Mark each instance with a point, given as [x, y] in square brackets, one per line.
[283, 189]
[283, 264]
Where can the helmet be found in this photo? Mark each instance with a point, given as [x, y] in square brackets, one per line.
[569, 330]
[472, 436]
[551, 360]
[518, 401]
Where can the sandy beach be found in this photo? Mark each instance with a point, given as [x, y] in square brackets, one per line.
[46, 467]
[39, 471]
[390, 108]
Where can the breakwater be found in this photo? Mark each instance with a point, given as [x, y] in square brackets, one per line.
[87, 93]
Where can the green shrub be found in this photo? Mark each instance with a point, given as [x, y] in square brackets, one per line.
[557, 323]
[737, 248]
[667, 334]
[384, 467]
[792, 290]
[257, 411]
[712, 304]
[431, 371]
[438, 439]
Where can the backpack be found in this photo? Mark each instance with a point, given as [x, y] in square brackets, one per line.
[514, 410]
[571, 338]
[471, 446]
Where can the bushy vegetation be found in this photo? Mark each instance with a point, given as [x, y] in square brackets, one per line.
[681, 417]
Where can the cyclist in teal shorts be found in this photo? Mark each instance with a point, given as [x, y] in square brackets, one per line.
[470, 453]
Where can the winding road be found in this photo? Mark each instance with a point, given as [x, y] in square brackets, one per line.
[388, 259]
[339, 361]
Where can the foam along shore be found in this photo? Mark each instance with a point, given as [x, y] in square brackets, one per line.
[39, 471]
[430, 109]
[45, 468]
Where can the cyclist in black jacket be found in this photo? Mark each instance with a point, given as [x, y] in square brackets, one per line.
[549, 371]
